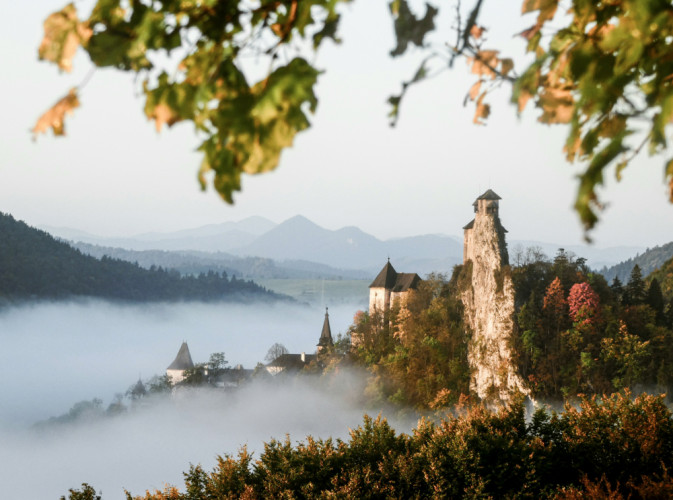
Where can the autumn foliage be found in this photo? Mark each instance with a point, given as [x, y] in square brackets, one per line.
[576, 334]
[615, 444]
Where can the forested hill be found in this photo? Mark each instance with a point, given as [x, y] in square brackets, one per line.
[34, 265]
[648, 261]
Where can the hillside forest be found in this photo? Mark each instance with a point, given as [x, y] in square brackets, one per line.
[34, 265]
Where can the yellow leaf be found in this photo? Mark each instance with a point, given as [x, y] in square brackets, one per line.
[484, 62]
[547, 9]
[163, 114]
[63, 33]
[482, 111]
[54, 117]
[477, 31]
[557, 106]
[524, 97]
[474, 90]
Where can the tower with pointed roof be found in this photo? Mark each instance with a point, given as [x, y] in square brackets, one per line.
[183, 361]
[325, 341]
[388, 286]
[489, 305]
[485, 207]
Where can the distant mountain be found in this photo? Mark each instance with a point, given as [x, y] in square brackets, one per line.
[349, 247]
[34, 265]
[209, 238]
[193, 262]
[650, 260]
[257, 245]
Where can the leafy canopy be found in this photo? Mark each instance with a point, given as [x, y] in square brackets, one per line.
[243, 126]
[603, 69]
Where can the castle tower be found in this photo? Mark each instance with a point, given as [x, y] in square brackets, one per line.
[183, 361]
[325, 341]
[489, 304]
[485, 207]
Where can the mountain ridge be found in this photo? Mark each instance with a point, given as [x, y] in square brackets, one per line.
[345, 249]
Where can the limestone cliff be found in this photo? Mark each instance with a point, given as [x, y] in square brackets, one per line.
[489, 305]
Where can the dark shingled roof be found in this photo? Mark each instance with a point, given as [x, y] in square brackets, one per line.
[326, 335]
[386, 278]
[183, 361]
[406, 281]
[489, 195]
[389, 279]
[469, 225]
[291, 361]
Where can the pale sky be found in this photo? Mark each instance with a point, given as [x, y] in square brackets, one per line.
[113, 175]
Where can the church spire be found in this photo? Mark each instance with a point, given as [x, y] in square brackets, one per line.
[326, 334]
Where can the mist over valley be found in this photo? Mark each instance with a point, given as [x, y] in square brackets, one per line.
[57, 354]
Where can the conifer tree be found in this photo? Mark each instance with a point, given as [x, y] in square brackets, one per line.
[655, 300]
[617, 289]
[635, 292]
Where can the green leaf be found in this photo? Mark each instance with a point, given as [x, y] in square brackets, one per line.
[408, 28]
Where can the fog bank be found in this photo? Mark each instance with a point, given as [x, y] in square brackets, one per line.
[54, 355]
[150, 446]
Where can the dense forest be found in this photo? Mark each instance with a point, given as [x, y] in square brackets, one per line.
[34, 265]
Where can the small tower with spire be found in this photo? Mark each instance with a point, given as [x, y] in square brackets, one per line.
[325, 341]
[183, 361]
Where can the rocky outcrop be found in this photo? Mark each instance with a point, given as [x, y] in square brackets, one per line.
[489, 309]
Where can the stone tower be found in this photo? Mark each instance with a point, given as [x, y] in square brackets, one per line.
[489, 304]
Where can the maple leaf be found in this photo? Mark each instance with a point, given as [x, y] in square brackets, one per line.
[54, 117]
[63, 34]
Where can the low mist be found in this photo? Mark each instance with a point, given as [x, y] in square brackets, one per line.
[55, 355]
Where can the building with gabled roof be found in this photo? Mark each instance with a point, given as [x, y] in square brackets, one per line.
[289, 363]
[325, 341]
[390, 285]
[183, 361]
[296, 362]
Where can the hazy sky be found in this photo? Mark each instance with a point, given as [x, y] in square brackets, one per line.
[113, 175]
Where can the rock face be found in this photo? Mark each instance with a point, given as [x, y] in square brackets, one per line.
[489, 304]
